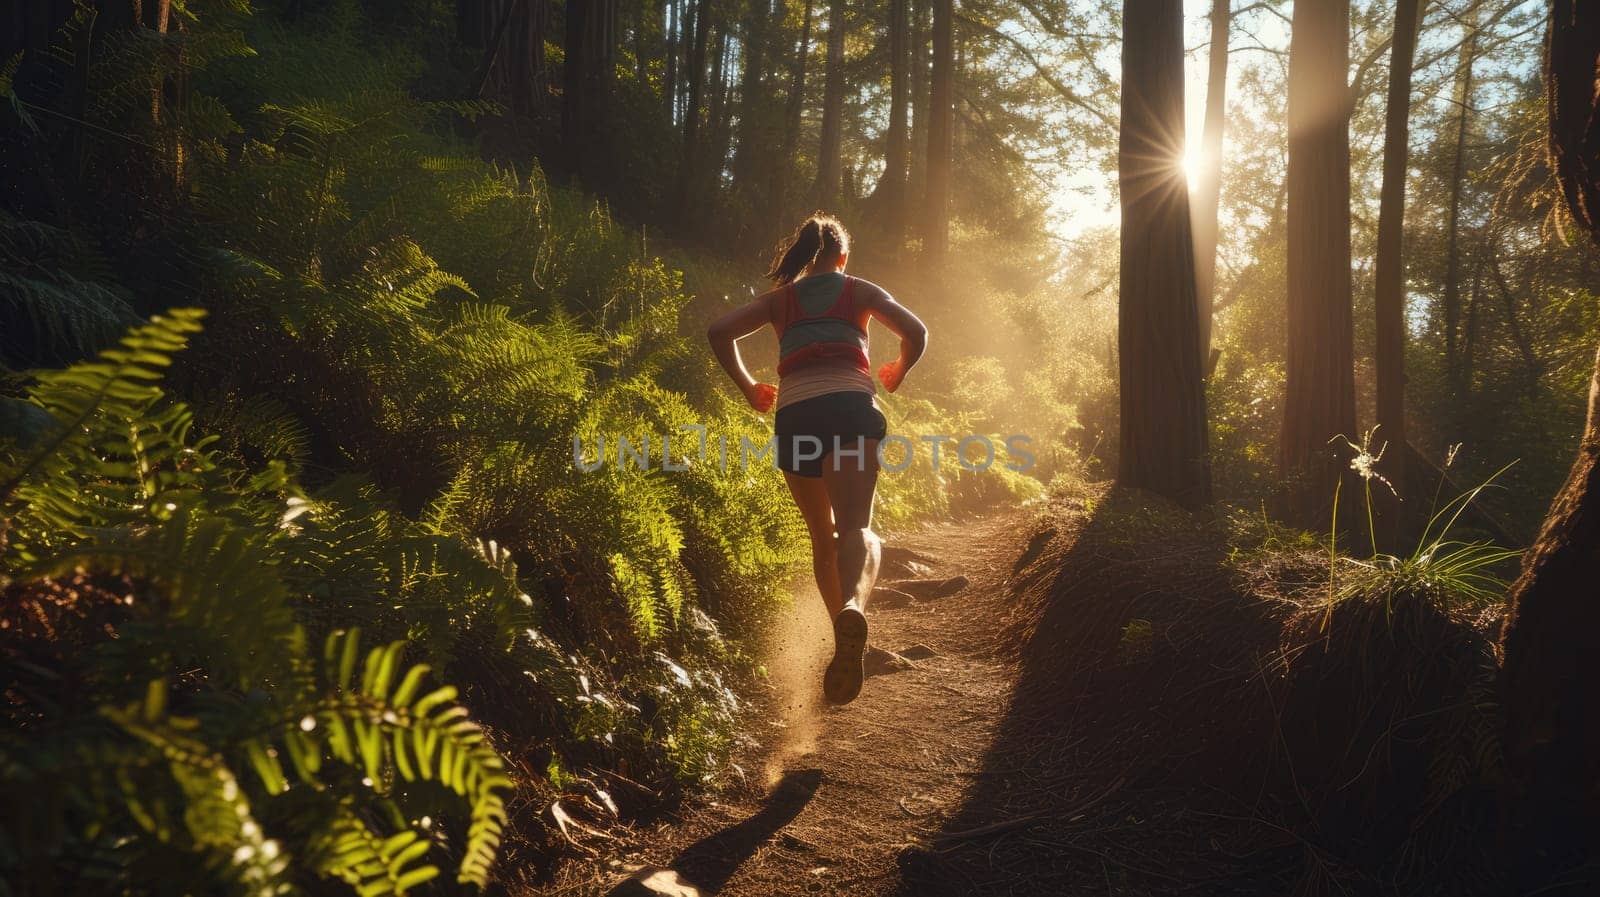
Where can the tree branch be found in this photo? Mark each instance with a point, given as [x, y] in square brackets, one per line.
[1066, 92]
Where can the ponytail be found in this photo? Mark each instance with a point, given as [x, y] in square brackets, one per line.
[819, 238]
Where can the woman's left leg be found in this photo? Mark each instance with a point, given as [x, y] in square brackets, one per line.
[852, 483]
[811, 496]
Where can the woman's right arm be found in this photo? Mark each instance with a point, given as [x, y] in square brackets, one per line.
[724, 335]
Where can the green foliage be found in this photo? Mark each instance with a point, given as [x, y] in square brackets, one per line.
[1440, 570]
[61, 288]
[403, 343]
[199, 667]
[957, 483]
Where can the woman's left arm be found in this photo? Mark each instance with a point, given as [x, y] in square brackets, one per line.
[912, 332]
[724, 335]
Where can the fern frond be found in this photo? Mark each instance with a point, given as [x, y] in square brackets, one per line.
[217, 815]
[382, 723]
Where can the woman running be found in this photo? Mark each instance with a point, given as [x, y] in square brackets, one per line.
[828, 424]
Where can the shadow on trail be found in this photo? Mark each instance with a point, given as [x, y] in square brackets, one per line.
[1155, 744]
[711, 861]
[1106, 754]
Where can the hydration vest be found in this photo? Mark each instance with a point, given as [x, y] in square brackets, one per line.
[831, 335]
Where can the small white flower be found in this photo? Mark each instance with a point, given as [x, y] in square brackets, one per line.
[1365, 463]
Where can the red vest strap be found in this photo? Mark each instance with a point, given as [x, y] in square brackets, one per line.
[845, 307]
[788, 308]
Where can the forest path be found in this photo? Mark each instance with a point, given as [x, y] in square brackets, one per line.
[837, 799]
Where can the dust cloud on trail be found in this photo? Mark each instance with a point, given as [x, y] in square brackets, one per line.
[800, 651]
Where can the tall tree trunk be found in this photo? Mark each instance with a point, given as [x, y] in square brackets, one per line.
[669, 81]
[921, 108]
[721, 108]
[1390, 276]
[1551, 685]
[1320, 400]
[689, 175]
[794, 106]
[941, 120]
[1452, 276]
[829, 171]
[511, 35]
[576, 72]
[1469, 342]
[590, 49]
[1163, 428]
[641, 53]
[1530, 361]
[525, 62]
[1208, 185]
[894, 161]
[751, 139]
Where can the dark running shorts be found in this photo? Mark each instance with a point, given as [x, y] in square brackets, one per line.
[847, 416]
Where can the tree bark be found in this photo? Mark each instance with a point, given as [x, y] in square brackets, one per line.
[794, 106]
[895, 150]
[590, 47]
[1530, 361]
[1320, 399]
[829, 170]
[511, 35]
[941, 120]
[689, 174]
[716, 115]
[601, 36]
[1469, 342]
[921, 59]
[751, 140]
[1390, 299]
[1207, 196]
[1163, 429]
[526, 62]
[1551, 687]
[669, 82]
[1452, 276]
[574, 75]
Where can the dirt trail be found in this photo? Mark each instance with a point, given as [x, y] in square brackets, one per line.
[837, 797]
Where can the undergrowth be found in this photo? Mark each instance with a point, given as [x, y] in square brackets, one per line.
[222, 545]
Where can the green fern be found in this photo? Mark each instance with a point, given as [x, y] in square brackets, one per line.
[381, 723]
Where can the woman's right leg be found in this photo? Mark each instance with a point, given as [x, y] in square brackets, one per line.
[850, 486]
[811, 496]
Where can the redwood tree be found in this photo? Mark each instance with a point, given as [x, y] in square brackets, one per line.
[748, 155]
[1460, 374]
[689, 175]
[941, 124]
[1551, 678]
[892, 187]
[1208, 185]
[921, 66]
[793, 106]
[590, 58]
[1390, 276]
[1320, 400]
[1163, 434]
[829, 170]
